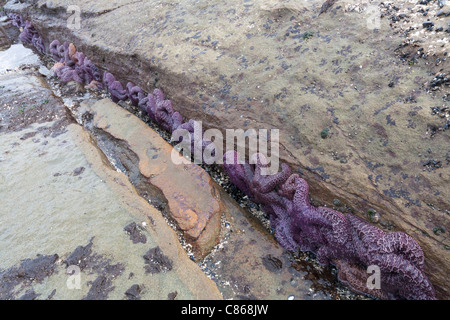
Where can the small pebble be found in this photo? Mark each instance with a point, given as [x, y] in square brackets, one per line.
[428, 25]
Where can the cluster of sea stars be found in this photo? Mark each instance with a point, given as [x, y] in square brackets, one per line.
[74, 66]
[29, 34]
[344, 240]
[159, 110]
[340, 239]
[71, 65]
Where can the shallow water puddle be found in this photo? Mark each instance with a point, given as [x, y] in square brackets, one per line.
[16, 56]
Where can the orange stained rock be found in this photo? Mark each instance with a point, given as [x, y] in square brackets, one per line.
[57, 66]
[72, 52]
[190, 192]
[93, 85]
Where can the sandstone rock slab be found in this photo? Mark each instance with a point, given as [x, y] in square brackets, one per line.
[192, 200]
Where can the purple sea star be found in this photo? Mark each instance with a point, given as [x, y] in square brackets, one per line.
[134, 93]
[264, 185]
[16, 20]
[398, 256]
[57, 50]
[115, 88]
[240, 174]
[29, 34]
[74, 66]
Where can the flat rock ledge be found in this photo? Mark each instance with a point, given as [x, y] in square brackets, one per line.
[188, 192]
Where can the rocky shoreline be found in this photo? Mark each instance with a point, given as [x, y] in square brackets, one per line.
[435, 163]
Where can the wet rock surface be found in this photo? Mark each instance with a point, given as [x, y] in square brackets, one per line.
[33, 108]
[79, 255]
[88, 261]
[382, 151]
[64, 210]
[29, 271]
[7, 31]
[156, 261]
[256, 65]
[135, 233]
[134, 292]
